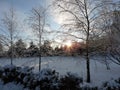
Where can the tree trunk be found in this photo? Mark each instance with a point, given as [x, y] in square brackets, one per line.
[87, 42]
[88, 67]
[87, 60]
[11, 57]
[11, 35]
[40, 53]
[39, 43]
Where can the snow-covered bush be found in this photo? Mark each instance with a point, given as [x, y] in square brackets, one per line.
[111, 85]
[70, 82]
[46, 79]
[9, 73]
[118, 80]
[49, 79]
[26, 76]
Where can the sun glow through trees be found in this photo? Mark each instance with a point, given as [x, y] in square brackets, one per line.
[68, 44]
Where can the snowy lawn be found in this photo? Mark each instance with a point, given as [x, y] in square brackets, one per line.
[99, 73]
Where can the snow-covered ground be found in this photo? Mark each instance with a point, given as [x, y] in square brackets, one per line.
[99, 73]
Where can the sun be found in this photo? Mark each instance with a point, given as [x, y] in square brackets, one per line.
[68, 43]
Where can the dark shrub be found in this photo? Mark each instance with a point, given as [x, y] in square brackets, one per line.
[9, 73]
[111, 85]
[70, 82]
[48, 79]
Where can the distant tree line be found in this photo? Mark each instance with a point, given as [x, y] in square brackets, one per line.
[21, 49]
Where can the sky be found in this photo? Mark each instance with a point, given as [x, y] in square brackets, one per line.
[21, 5]
[23, 10]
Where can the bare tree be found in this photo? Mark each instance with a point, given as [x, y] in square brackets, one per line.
[84, 14]
[114, 38]
[111, 26]
[38, 25]
[9, 30]
[105, 21]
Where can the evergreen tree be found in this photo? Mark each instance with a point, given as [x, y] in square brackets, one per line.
[20, 47]
[33, 49]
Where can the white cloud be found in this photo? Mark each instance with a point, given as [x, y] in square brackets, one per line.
[57, 16]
